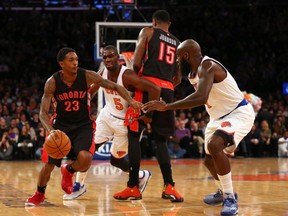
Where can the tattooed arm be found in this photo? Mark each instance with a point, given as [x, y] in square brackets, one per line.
[49, 90]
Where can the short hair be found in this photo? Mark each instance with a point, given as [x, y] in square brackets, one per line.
[161, 15]
[111, 47]
[63, 52]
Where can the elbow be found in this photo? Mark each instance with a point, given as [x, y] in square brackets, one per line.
[136, 67]
[202, 99]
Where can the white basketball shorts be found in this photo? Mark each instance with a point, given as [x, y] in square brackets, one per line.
[108, 128]
[238, 123]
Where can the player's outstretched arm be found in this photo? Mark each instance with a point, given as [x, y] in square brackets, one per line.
[95, 78]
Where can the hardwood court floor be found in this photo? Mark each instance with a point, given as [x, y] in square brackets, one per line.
[260, 183]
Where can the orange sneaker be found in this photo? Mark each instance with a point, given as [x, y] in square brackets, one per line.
[36, 199]
[67, 179]
[129, 193]
[169, 192]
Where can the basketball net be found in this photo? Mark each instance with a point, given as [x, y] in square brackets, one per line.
[127, 56]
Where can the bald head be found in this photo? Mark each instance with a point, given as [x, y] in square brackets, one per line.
[190, 46]
[189, 56]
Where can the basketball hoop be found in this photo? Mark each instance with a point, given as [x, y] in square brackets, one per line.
[127, 56]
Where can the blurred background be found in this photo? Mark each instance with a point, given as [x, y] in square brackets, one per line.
[250, 37]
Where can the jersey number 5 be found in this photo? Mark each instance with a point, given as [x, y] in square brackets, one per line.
[118, 104]
[168, 52]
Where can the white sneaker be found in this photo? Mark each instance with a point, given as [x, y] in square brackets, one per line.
[77, 191]
[144, 180]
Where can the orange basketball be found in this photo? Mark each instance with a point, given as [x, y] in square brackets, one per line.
[58, 146]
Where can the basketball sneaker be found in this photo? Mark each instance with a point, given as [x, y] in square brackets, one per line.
[36, 199]
[169, 192]
[144, 180]
[216, 198]
[230, 205]
[78, 190]
[67, 179]
[129, 193]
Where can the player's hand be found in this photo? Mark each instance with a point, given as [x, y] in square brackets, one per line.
[145, 119]
[154, 105]
[56, 134]
[136, 105]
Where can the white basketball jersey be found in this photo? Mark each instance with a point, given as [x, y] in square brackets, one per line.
[224, 96]
[115, 104]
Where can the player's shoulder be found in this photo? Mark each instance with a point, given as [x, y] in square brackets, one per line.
[147, 30]
[128, 72]
[52, 78]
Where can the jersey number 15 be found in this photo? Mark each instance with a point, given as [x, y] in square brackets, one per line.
[166, 53]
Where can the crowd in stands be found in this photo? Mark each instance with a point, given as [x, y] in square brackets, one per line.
[253, 52]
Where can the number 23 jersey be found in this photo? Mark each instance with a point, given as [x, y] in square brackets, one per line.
[71, 103]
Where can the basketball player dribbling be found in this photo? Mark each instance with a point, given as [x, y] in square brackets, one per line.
[69, 91]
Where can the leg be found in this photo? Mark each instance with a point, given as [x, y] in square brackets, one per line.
[83, 144]
[216, 145]
[43, 179]
[169, 191]
[138, 179]
[121, 163]
[220, 159]
[132, 191]
[44, 176]
[79, 185]
[82, 164]
[209, 163]
[163, 158]
[83, 161]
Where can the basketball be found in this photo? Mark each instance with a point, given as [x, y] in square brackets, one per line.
[57, 144]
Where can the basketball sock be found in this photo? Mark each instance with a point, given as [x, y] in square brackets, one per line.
[133, 175]
[80, 177]
[226, 183]
[70, 168]
[141, 174]
[41, 189]
[167, 173]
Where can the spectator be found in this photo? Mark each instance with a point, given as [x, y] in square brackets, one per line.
[40, 133]
[14, 128]
[197, 139]
[6, 148]
[265, 133]
[182, 117]
[3, 125]
[283, 145]
[174, 149]
[25, 144]
[253, 142]
[183, 134]
[34, 120]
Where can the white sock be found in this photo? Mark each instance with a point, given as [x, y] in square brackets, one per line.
[218, 184]
[141, 174]
[226, 183]
[80, 177]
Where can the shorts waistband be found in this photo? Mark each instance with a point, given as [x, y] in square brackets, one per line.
[242, 103]
[159, 82]
[117, 117]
